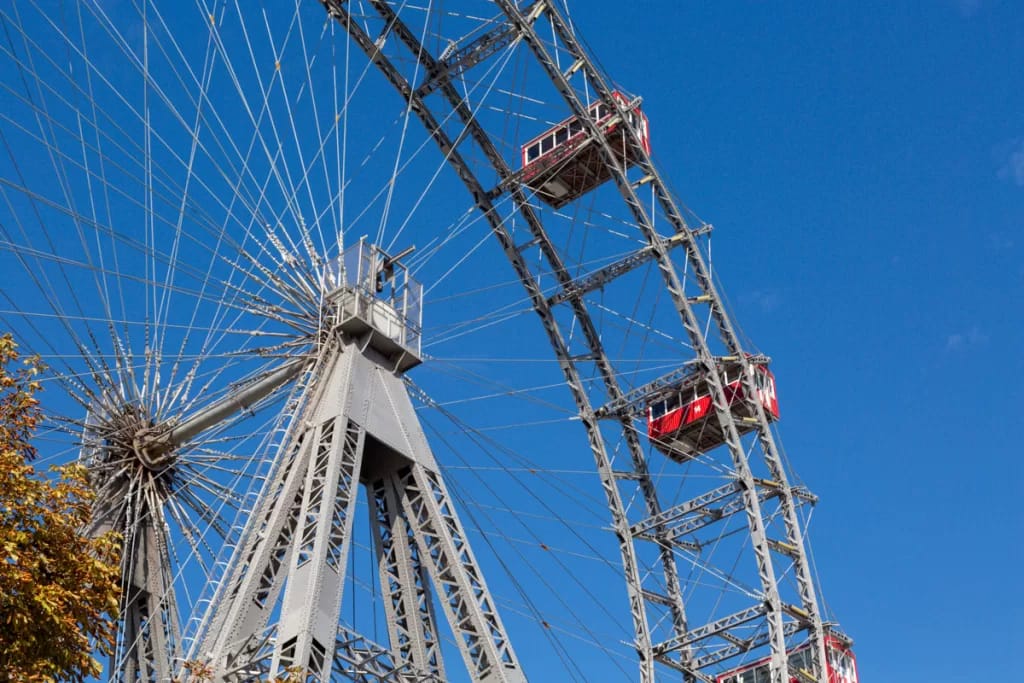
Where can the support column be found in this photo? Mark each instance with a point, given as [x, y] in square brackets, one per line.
[408, 603]
[468, 604]
[359, 426]
[316, 578]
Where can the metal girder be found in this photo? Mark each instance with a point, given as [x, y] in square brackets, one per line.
[599, 278]
[692, 516]
[443, 544]
[459, 59]
[702, 275]
[734, 649]
[246, 597]
[237, 401]
[149, 634]
[315, 579]
[657, 598]
[572, 375]
[702, 518]
[357, 658]
[677, 512]
[715, 628]
[404, 584]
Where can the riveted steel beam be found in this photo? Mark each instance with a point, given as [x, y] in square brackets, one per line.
[461, 58]
[599, 278]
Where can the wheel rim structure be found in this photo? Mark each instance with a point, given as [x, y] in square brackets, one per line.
[176, 190]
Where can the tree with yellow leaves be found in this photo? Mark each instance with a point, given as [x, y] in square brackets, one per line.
[59, 587]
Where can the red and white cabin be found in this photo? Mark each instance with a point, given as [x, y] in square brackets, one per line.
[683, 424]
[562, 164]
[842, 665]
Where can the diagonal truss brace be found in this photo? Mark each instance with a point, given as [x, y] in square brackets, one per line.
[360, 659]
[734, 648]
[356, 658]
[468, 604]
[404, 583]
[686, 518]
[357, 425]
[599, 278]
[715, 628]
[677, 512]
[456, 60]
[740, 647]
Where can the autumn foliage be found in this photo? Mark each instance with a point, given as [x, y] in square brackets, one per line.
[58, 587]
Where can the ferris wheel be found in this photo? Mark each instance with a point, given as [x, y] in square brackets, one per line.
[390, 352]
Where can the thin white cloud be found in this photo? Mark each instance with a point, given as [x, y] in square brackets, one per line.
[959, 341]
[970, 8]
[1013, 164]
[999, 241]
[766, 300]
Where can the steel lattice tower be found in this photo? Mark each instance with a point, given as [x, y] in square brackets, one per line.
[358, 426]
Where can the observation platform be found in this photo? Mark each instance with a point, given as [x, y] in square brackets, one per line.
[378, 302]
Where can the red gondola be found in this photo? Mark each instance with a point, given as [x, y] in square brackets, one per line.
[562, 164]
[842, 665]
[683, 424]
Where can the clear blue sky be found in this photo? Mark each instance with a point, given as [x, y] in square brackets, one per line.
[863, 164]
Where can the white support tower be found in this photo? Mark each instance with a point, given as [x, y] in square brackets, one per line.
[279, 606]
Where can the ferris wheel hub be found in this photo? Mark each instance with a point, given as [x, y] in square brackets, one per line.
[123, 438]
[152, 450]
